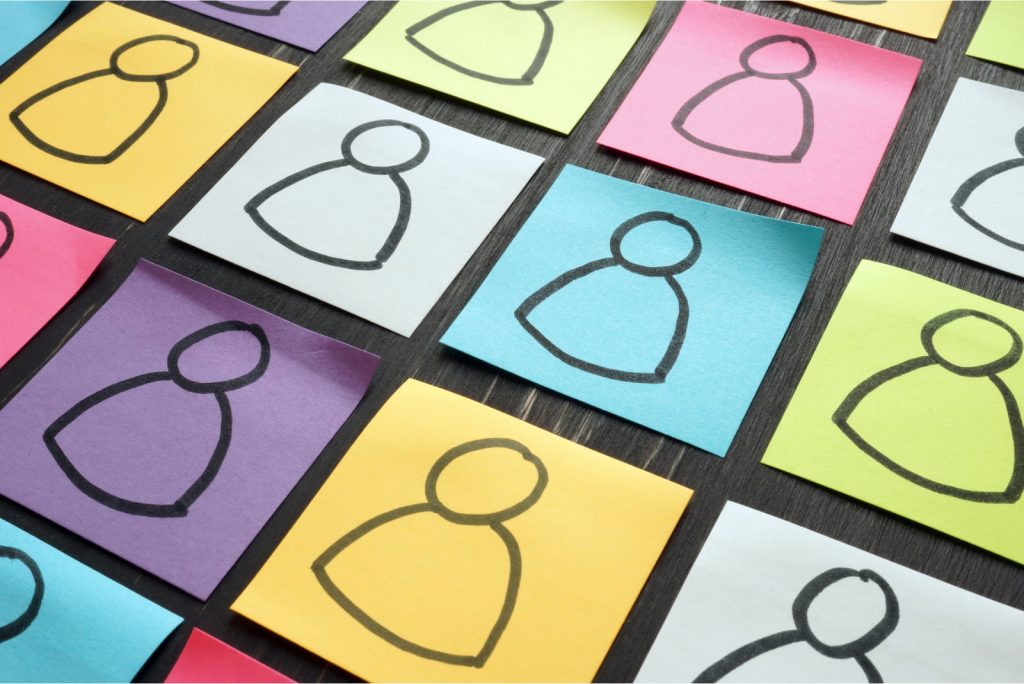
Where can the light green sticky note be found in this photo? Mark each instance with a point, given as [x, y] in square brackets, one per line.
[1000, 36]
[544, 62]
[911, 403]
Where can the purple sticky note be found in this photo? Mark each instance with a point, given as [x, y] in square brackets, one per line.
[305, 23]
[174, 423]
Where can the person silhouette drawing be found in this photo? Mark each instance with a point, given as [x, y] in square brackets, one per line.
[1011, 225]
[6, 233]
[262, 9]
[25, 618]
[96, 117]
[635, 314]
[920, 418]
[378, 230]
[455, 590]
[729, 115]
[857, 649]
[485, 28]
[175, 426]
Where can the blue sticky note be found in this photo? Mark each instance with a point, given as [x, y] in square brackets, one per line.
[658, 308]
[23, 21]
[61, 621]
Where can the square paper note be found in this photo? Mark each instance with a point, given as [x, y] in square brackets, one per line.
[123, 108]
[768, 601]
[43, 263]
[173, 424]
[998, 35]
[22, 21]
[544, 62]
[361, 204]
[456, 543]
[917, 17]
[786, 112]
[64, 622]
[208, 659]
[658, 308]
[912, 403]
[966, 196]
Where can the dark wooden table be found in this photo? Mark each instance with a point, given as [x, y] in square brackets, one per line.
[739, 477]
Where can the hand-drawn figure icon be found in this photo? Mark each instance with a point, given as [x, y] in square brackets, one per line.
[857, 649]
[161, 391]
[749, 87]
[342, 170]
[262, 10]
[120, 84]
[485, 532]
[964, 192]
[27, 616]
[467, 14]
[934, 361]
[657, 292]
[6, 233]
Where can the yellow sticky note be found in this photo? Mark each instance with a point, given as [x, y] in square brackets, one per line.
[1000, 36]
[917, 17]
[911, 403]
[456, 543]
[544, 62]
[123, 108]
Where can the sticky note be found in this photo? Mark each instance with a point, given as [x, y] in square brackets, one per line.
[173, 424]
[658, 308]
[43, 263]
[22, 21]
[998, 36]
[922, 18]
[361, 204]
[965, 197]
[61, 621]
[305, 24]
[123, 108]
[543, 62]
[789, 113]
[769, 601]
[208, 659]
[457, 543]
[910, 403]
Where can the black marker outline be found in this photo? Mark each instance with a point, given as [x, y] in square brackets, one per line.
[219, 391]
[675, 345]
[434, 505]
[7, 228]
[160, 80]
[28, 616]
[1015, 486]
[807, 130]
[856, 649]
[272, 11]
[963, 193]
[531, 71]
[393, 171]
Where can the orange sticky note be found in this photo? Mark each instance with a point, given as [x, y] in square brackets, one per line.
[917, 17]
[207, 659]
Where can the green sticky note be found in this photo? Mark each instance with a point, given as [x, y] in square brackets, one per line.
[1000, 36]
[910, 403]
[544, 62]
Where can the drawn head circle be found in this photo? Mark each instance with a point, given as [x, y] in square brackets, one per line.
[226, 384]
[810, 60]
[6, 233]
[870, 639]
[21, 622]
[1018, 140]
[485, 518]
[1011, 357]
[351, 136]
[534, 6]
[191, 57]
[651, 217]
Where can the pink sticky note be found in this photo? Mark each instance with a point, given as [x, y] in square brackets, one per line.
[43, 263]
[206, 659]
[786, 112]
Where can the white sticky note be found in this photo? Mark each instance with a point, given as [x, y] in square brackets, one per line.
[361, 204]
[769, 601]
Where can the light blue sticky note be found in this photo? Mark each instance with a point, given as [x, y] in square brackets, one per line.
[23, 21]
[671, 333]
[61, 621]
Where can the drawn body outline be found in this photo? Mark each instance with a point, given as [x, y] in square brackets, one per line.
[218, 389]
[793, 77]
[6, 233]
[272, 11]
[433, 505]
[28, 616]
[967, 188]
[531, 71]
